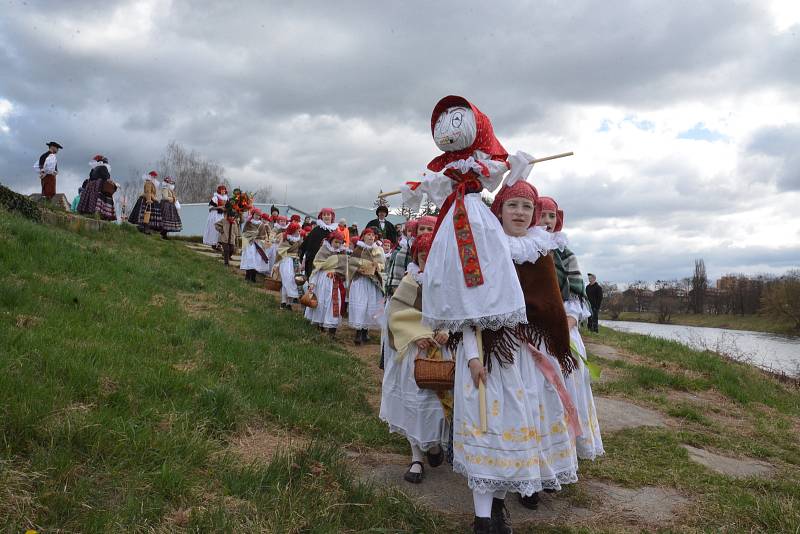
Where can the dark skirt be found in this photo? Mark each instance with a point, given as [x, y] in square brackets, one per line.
[93, 200]
[49, 186]
[137, 213]
[170, 219]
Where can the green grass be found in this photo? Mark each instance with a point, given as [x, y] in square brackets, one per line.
[754, 323]
[126, 364]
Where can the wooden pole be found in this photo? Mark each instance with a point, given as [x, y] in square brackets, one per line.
[536, 160]
[481, 385]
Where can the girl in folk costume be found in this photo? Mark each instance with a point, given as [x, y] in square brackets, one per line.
[313, 241]
[228, 231]
[93, 199]
[288, 265]
[279, 224]
[216, 211]
[146, 213]
[366, 285]
[470, 285]
[327, 282]
[573, 294]
[255, 257]
[170, 219]
[537, 352]
[418, 414]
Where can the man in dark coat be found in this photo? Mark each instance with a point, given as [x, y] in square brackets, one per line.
[595, 294]
[386, 228]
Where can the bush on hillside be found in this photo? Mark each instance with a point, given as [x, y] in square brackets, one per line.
[13, 201]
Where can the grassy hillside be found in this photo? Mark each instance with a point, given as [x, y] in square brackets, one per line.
[127, 364]
[131, 368]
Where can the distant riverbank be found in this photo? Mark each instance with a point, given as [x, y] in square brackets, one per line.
[753, 323]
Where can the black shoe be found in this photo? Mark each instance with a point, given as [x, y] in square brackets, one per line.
[365, 336]
[283, 305]
[357, 338]
[483, 525]
[163, 235]
[500, 517]
[435, 460]
[332, 333]
[288, 307]
[531, 502]
[414, 478]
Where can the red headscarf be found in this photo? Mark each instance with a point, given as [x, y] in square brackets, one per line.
[411, 227]
[221, 188]
[549, 204]
[296, 218]
[336, 234]
[292, 228]
[485, 140]
[368, 230]
[327, 210]
[421, 244]
[426, 220]
[520, 189]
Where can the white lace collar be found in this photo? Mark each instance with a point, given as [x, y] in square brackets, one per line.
[329, 227]
[560, 239]
[535, 243]
[327, 245]
[416, 274]
[365, 246]
[293, 238]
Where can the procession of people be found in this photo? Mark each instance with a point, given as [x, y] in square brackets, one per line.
[477, 308]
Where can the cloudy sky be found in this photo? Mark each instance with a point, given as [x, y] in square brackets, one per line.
[684, 116]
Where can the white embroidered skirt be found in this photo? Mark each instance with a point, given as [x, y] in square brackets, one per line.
[579, 385]
[251, 259]
[323, 314]
[288, 285]
[527, 447]
[211, 236]
[365, 304]
[410, 411]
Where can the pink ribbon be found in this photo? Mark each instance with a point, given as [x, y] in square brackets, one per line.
[549, 371]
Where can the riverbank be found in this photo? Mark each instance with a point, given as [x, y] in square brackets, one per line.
[144, 387]
[753, 323]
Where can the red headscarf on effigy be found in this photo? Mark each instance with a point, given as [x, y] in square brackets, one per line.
[485, 140]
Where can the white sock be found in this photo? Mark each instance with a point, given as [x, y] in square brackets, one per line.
[500, 494]
[483, 503]
[416, 456]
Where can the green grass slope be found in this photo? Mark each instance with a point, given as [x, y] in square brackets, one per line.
[126, 363]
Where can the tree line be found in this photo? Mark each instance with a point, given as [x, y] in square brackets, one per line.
[735, 294]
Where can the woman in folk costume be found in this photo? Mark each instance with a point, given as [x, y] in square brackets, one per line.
[366, 285]
[471, 285]
[573, 294]
[288, 264]
[93, 199]
[255, 257]
[279, 224]
[216, 211]
[418, 414]
[313, 241]
[146, 213]
[327, 283]
[170, 219]
[539, 350]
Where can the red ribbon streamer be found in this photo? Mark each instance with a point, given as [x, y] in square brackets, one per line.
[549, 371]
[337, 296]
[467, 251]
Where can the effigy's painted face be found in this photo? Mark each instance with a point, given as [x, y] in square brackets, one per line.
[455, 129]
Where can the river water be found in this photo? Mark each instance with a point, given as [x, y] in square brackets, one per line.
[770, 351]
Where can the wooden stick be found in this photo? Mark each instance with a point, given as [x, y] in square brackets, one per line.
[537, 160]
[481, 385]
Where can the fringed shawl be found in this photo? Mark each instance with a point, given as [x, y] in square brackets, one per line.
[570, 279]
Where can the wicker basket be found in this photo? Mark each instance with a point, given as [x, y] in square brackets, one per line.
[438, 375]
[108, 187]
[299, 279]
[309, 299]
[272, 284]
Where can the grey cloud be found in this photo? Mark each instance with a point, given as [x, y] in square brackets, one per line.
[782, 143]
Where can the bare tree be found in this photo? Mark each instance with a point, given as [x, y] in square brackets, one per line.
[129, 189]
[612, 300]
[781, 298]
[264, 195]
[196, 178]
[665, 300]
[697, 294]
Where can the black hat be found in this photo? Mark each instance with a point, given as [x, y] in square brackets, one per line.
[273, 208]
[53, 143]
[382, 209]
